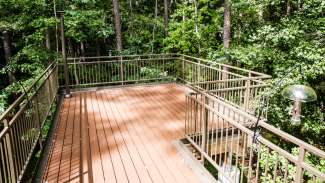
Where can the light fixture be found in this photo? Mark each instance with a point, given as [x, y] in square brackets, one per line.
[298, 94]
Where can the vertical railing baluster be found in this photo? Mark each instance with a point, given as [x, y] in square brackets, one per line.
[205, 126]
[299, 170]
[10, 152]
[38, 117]
[247, 93]
[183, 69]
[122, 69]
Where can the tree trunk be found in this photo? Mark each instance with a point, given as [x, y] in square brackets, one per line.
[155, 24]
[288, 7]
[82, 50]
[239, 28]
[166, 12]
[227, 24]
[131, 18]
[48, 39]
[196, 16]
[226, 35]
[56, 27]
[118, 26]
[7, 50]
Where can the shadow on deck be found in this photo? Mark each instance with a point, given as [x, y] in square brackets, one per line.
[129, 138]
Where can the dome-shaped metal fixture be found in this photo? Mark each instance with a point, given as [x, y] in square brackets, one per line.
[298, 94]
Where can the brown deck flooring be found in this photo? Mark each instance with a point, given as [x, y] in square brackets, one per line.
[129, 138]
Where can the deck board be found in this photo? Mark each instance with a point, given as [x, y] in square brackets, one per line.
[120, 135]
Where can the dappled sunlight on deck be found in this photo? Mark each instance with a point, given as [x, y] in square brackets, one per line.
[131, 134]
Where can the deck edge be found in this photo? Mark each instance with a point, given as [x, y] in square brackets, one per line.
[49, 143]
[188, 159]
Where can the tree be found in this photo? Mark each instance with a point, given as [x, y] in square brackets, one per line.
[227, 24]
[166, 17]
[155, 25]
[118, 26]
[288, 9]
[48, 39]
[7, 51]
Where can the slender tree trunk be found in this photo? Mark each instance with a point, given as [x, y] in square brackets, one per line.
[82, 50]
[71, 50]
[48, 39]
[56, 27]
[183, 17]
[131, 17]
[227, 24]
[155, 25]
[7, 50]
[239, 28]
[196, 16]
[118, 26]
[196, 24]
[226, 35]
[288, 11]
[166, 15]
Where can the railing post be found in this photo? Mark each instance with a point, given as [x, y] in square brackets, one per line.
[49, 80]
[38, 119]
[198, 71]
[299, 171]
[247, 92]
[66, 71]
[219, 85]
[10, 153]
[183, 68]
[122, 70]
[205, 134]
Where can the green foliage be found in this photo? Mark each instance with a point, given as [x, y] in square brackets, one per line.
[272, 160]
[264, 39]
[83, 25]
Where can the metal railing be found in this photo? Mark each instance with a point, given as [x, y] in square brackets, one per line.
[222, 134]
[219, 116]
[235, 85]
[112, 70]
[22, 124]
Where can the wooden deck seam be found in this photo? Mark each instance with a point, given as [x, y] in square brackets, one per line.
[72, 136]
[113, 105]
[97, 141]
[139, 136]
[155, 135]
[136, 127]
[120, 135]
[107, 142]
[119, 131]
[160, 100]
[64, 131]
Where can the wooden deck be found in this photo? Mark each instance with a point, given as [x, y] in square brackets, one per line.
[129, 137]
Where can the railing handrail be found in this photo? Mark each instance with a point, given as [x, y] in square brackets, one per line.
[179, 56]
[119, 56]
[110, 61]
[291, 139]
[23, 124]
[226, 65]
[263, 124]
[23, 95]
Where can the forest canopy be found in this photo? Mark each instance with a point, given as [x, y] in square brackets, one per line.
[270, 36]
